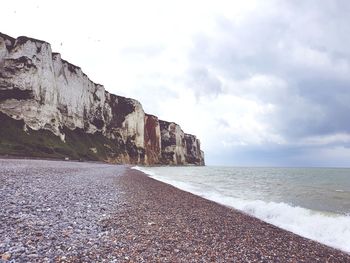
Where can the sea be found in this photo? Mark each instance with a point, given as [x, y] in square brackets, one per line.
[311, 202]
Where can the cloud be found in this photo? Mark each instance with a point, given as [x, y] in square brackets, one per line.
[259, 82]
[143, 50]
[222, 123]
[203, 82]
[286, 56]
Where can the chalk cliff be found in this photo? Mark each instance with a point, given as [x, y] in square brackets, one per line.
[62, 113]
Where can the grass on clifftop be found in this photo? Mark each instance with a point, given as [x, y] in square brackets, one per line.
[14, 141]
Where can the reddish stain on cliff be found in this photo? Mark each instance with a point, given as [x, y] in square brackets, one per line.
[152, 139]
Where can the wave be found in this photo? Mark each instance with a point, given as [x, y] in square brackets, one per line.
[327, 228]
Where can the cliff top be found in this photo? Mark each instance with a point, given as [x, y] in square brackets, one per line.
[20, 40]
[23, 39]
[168, 122]
[151, 115]
[71, 67]
[7, 37]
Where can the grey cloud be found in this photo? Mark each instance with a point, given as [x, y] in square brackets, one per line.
[279, 155]
[203, 82]
[272, 155]
[303, 43]
[222, 123]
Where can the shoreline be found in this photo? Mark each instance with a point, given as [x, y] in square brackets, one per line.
[61, 159]
[100, 212]
[219, 232]
[321, 221]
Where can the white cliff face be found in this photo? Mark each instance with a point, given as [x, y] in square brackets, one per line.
[173, 143]
[28, 67]
[61, 95]
[3, 49]
[124, 118]
[79, 101]
[180, 148]
[47, 92]
[177, 147]
[134, 125]
[194, 155]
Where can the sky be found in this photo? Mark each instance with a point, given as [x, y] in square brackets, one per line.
[261, 83]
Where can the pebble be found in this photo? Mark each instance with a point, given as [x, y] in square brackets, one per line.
[52, 211]
[6, 256]
[52, 208]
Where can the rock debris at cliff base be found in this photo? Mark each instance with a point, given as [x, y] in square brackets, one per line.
[55, 211]
[48, 93]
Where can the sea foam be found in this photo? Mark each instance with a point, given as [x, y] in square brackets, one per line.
[328, 228]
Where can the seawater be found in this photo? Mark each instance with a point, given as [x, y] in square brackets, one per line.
[311, 202]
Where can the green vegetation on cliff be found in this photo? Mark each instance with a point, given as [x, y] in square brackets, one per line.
[78, 145]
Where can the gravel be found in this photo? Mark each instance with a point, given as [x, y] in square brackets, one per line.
[53, 211]
[165, 224]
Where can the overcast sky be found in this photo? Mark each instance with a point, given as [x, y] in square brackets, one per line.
[263, 83]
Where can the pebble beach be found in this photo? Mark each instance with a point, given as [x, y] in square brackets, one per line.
[57, 211]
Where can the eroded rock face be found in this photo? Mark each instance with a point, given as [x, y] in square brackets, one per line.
[152, 139]
[54, 93]
[173, 143]
[47, 92]
[124, 121]
[194, 155]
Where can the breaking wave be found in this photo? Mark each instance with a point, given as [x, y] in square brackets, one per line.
[328, 228]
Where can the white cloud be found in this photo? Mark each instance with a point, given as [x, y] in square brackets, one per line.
[242, 75]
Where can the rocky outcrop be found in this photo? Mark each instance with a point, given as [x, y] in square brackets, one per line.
[48, 93]
[173, 143]
[194, 154]
[179, 147]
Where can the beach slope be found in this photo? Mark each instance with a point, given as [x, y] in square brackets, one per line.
[78, 212]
